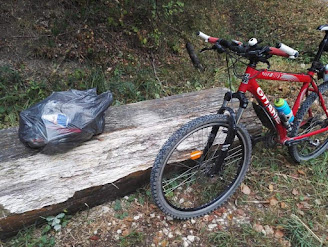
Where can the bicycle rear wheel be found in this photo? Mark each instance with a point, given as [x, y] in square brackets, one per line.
[180, 182]
[304, 123]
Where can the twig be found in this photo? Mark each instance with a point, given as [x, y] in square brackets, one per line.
[307, 228]
[154, 69]
[305, 180]
[115, 186]
[258, 202]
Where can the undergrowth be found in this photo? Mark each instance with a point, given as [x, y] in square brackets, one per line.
[137, 50]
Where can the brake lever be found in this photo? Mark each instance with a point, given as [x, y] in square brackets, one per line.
[205, 49]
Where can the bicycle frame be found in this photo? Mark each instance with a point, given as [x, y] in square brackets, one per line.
[250, 84]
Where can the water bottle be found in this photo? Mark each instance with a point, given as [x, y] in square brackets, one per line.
[58, 119]
[284, 111]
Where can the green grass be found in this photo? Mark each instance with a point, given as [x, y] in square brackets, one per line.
[299, 235]
[132, 239]
[29, 238]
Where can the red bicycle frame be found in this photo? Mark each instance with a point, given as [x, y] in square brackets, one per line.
[250, 84]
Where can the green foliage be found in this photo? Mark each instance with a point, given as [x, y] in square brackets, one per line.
[172, 8]
[117, 205]
[56, 222]
[27, 238]
[16, 94]
[133, 239]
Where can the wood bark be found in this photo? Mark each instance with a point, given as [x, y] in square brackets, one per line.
[112, 164]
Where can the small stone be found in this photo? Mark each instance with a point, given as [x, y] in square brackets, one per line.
[181, 201]
[269, 230]
[105, 209]
[109, 223]
[184, 226]
[170, 235]
[189, 189]
[177, 232]
[136, 217]
[165, 231]
[212, 226]
[119, 231]
[169, 218]
[126, 197]
[152, 215]
[193, 221]
[191, 238]
[95, 232]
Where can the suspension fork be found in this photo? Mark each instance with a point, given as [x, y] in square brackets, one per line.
[233, 120]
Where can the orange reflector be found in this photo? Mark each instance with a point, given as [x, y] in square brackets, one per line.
[196, 155]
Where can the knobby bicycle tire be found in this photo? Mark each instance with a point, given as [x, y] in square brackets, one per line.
[313, 147]
[176, 177]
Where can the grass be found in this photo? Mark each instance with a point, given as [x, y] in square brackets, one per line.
[299, 235]
[132, 239]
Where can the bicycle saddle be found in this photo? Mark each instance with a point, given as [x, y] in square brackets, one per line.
[323, 28]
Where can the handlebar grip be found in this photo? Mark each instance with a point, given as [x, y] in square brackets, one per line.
[206, 37]
[290, 51]
[278, 52]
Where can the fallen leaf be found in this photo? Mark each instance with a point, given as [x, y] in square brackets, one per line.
[257, 227]
[317, 201]
[306, 205]
[164, 243]
[245, 189]
[94, 238]
[301, 172]
[278, 234]
[125, 232]
[240, 212]
[273, 201]
[230, 216]
[283, 205]
[295, 192]
[220, 211]
[271, 187]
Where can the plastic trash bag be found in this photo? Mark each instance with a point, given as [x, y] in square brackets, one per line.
[64, 120]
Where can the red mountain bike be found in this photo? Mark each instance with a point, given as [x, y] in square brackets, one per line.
[202, 163]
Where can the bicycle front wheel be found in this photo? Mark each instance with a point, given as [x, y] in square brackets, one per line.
[310, 117]
[181, 184]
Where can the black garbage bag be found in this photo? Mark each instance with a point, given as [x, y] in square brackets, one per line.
[64, 120]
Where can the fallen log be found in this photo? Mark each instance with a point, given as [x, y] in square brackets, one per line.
[110, 165]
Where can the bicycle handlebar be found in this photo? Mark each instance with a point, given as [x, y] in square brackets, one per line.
[238, 47]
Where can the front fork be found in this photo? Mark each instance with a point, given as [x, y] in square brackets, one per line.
[232, 129]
